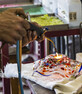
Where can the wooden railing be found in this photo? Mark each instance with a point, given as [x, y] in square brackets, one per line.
[63, 40]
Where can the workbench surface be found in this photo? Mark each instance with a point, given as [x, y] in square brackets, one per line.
[37, 89]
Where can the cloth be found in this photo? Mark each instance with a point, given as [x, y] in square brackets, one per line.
[64, 86]
[79, 57]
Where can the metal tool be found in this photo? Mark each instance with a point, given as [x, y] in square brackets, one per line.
[33, 27]
[38, 30]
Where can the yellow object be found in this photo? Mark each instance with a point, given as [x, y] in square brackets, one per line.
[58, 56]
[46, 20]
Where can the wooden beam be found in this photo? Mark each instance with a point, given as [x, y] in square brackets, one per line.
[14, 82]
[62, 33]
[5, 60]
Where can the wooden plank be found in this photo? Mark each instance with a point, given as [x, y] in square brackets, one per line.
[14, 1]
[15, 89]
[47, 47]
[15, 86]
[57, 27]
[58, 45]
[62, 45]
[5, 59]
[32, 47]
[73, 47]
[80, 37]
[20, 52]
[42, 49]
[67, 47]
[62, 33]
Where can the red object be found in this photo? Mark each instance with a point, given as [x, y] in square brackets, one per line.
[5, 59]
[67, 76]
[73, 71]
[62, 33]
[62, 68]
[68, 64]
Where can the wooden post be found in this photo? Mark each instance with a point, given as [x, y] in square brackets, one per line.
[15, 87]
[14, 82]
[42, 49]
[5, 60]
[20, 51]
